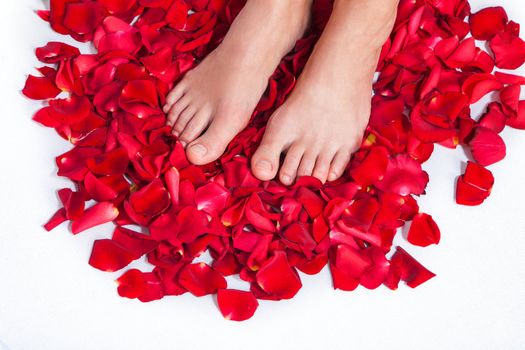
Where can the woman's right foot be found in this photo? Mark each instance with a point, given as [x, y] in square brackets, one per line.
[219, 95]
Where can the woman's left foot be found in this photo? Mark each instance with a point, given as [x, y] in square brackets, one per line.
[323, 121]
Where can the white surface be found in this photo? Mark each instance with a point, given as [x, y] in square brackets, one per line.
[51, 299]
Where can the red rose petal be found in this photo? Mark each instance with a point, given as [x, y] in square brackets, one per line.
[107, 255]
[487, 146]
[474, 186]
[98, 214]
[488, 22]
[403, 176]
[405, 268]
[200, 279]
[40, 88]
[236, 305]
[509, 50]
[423, 231]
[131, 284]
[277, 278]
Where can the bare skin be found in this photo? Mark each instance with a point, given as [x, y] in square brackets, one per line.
[322, 122]
[219, 95]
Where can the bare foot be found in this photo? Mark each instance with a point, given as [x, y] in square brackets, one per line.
[323, 121]
[220, 94]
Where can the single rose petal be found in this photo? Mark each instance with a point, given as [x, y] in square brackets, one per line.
[236, 305]
[423, 231]
[212, 198]
[405, 268]
[107, 255]
[478, 85]
[518, 122]
[150, 200]
[508, 49]
[488, 22]
[474, 186]
[40, 88]
[98, 214]
[403, 176]
[131, 284]
[372, 168]
[277, 278]
[54, 52]
[71, 110]
[201, 279]
[487, 146]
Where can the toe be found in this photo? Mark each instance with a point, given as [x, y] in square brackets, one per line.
[307, 164]
[339, 164]
[265, 161]
[212, 143]
[288, 170]
[195, 126]
[177, 109]
[175, 94]
[182, 121]
[322, 165]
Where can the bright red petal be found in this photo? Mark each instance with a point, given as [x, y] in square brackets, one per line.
[236, 305]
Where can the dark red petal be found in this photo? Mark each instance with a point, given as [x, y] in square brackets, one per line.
[423, 231]
[488, 22]
[200, 279]
[236, 305]
[82, 18]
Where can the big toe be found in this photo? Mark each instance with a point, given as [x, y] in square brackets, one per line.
[265, 161]
[211, 145]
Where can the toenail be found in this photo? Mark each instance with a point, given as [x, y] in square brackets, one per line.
[286, 179]
[264, 165]
[199, 149]
[332, 176]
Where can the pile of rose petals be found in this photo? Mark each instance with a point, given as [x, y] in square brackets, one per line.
[130, 170]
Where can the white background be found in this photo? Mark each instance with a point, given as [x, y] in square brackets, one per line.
[51, 299]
